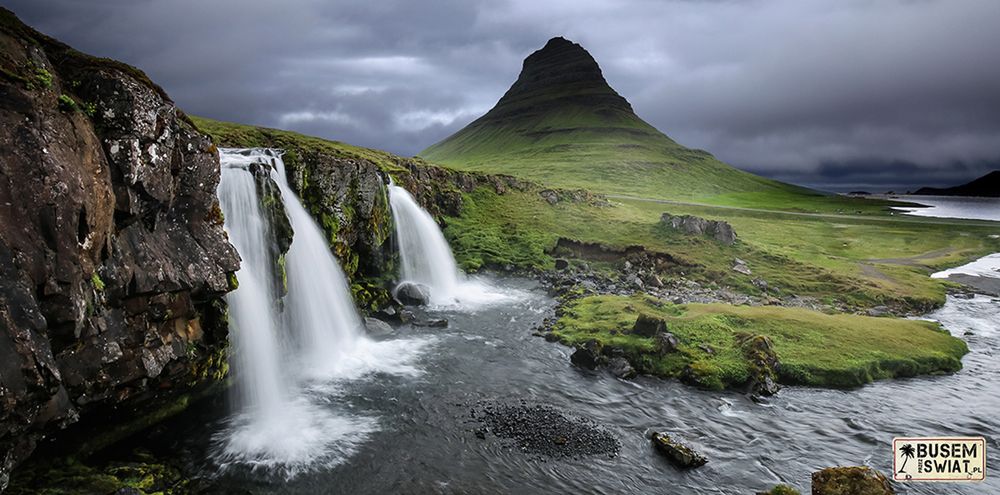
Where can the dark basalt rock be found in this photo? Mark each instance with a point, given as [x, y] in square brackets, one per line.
[112, 252]
[692, 225]
[588, 355]
[666, 342]
[412, 294]
[620, 367]
[853, 480]
[679, 454]
[648, 325]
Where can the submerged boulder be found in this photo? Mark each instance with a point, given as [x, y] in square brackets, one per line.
[412, 294]
[851, 480]
[679, 454]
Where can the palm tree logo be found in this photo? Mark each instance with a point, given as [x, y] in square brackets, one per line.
[908, 453]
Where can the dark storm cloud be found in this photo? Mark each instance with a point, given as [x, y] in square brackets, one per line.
[822, 92]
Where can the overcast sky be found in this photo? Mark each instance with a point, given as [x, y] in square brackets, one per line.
[834, 93]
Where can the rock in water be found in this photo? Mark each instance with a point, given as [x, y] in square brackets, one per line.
[377, 327]
[764, 364]
[620, 367]
[852, 480]
[588, 355]
[430, 322]
[412, 294]
[648, 326]
[681, 455]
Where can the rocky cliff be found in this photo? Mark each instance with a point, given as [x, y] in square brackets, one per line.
[113, 257]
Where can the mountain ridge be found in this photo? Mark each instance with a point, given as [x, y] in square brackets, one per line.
[987, 186]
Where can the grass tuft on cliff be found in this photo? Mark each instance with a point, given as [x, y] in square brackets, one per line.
[814, 348]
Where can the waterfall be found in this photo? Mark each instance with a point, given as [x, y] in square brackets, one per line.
[285, 350]
[319, 303]
[252, 310]
[424, 253]
[426, 258]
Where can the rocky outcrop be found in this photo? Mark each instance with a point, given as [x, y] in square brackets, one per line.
[722, 232]
[113, 257]
[679, 454]
[763, 363]
[852, 480]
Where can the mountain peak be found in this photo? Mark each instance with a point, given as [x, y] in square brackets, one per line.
[560, 70]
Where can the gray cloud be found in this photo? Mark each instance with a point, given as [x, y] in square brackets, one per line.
[785, 88]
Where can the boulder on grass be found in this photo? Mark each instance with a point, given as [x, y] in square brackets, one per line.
[666, 342]
[679, 454]
[412, 294]
[850, 480]
[648, 325]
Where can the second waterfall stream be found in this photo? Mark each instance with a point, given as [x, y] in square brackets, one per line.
[426, 259]
[288, 349]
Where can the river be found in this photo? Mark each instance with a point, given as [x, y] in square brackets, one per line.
[423, 439]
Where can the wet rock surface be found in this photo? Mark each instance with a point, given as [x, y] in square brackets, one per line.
[542, 430]
[411, 294]
[679, 454]
[112, 250]
[852, 480]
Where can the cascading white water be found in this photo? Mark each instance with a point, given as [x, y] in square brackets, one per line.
[426, 258]
[424, 253]
[252, 309]
[318, 335]
[319, 304]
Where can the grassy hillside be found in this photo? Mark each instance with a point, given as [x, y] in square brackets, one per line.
[858, 260]
[562, 125]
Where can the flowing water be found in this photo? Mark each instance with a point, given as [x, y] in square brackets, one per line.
[426, 258]
[290, 353]
[423, 441]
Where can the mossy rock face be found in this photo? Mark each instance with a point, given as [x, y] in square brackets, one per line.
[853, 480]
[781, 490]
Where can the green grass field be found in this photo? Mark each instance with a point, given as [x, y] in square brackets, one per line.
[814, 348]
[858, 260]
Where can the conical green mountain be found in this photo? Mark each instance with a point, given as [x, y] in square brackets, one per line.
[563, 125]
